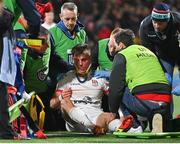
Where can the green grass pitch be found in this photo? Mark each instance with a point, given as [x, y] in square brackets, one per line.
[66, 137]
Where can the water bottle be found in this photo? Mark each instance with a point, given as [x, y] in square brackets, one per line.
[70, 59]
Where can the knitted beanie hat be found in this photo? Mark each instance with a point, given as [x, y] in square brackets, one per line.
[161, 12]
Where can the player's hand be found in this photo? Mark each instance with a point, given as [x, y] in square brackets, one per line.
[67, 93]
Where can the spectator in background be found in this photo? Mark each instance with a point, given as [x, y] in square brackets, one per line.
[43, 8]
[7, 44]
[110, 15]
[49, 20]
[103, 27]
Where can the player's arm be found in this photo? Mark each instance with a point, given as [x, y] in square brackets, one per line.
[59, 95]
[55, 101]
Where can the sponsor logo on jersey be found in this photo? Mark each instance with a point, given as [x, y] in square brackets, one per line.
[42, 73]
[75, 83]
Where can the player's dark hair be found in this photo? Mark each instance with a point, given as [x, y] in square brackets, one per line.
[126, 37]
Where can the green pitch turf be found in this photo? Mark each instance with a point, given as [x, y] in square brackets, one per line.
[176, 100]
[147, 135]
[66, 137]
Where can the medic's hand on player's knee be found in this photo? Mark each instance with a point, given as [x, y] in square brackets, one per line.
[176, 90]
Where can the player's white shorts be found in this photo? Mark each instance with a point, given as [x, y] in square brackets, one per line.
[92, 114]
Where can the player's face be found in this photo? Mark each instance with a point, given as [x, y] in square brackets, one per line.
[159, 26]
[82, 63]
[112, 46]
[69, 18]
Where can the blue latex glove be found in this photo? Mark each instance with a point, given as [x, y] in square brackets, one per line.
[21, 44]
[176, 90]
[101, 74]
[169, 78]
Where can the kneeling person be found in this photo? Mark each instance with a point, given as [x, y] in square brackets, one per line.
[138, 83]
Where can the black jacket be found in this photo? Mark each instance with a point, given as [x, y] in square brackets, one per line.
[165, 46]
[31, 15]
[117, 84]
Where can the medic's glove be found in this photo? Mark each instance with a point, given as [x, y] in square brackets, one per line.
[21, 44]
[176, 90]
[101, 74]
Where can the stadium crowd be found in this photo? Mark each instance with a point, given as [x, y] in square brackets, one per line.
[102, 16]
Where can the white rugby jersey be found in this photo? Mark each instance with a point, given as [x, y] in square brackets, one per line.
[87, 91]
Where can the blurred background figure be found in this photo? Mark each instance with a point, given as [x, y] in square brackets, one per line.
[49, 20]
